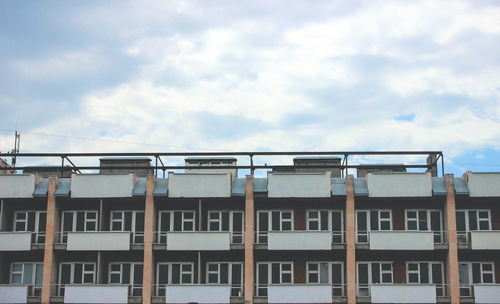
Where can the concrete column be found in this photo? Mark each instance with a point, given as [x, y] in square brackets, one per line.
[249, 240]
[451, 228]
[52, 227]
[350, 240]
[149, 220]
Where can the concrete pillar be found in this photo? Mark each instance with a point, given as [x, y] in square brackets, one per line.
[52, 227]
[249, 240]
[350, 240]
[149, 225]
[451, 228]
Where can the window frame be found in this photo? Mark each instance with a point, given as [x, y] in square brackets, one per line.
[136, 235]
[38, 233]
[161, 287]
[229, 277]
[231, 222]
[369, 263]
[368, 223]
[269, 274]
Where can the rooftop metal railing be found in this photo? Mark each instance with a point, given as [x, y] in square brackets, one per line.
[161, 159]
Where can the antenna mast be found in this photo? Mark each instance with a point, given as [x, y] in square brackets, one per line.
[17, 144]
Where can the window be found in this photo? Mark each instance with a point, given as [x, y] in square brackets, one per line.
[273, 273]
[132, 221]
[231, 221]
[29, 274]
[175, 221]
[471, 220]
[173, 273]
[78, 221]
[326, 220]
[127, 273]
[273, 221]
[226, 273]
[331, 273]
[76, 273]
[475, 273]
[33, 221]
[425, 220]
[426, 273]
[371, 220]
[373, 273]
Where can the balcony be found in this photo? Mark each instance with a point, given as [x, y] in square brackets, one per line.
[403, 293]
[197, 293]
[97, 240]
[300, 240]
[196, 240]
[93, 293]
[479, 240]
[16, 293]
[401, 240]
[482, 293]
[15, 241]
[298, 293]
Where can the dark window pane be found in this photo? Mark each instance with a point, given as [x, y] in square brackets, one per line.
[116, 226]
[375, 273]
[385, 225]
[263, 221]
[461, 221]
[476, 273]
[163, 274]
[472, 220]
[31, 221]
[80, 221]
[139, 221]
[126, 274]
[422, 220]
[435, 221]
[237, 221]
[336, 274]
[20, 226]
[68, 222]
[91, 226]
[275, 273]
[42, 221]
[361, 221]
[324, 220]
[128, 221]
[263, 274]
[374, 220]
[413, 278]
[484, 225]
[176, 273]
[313, 225]
[225, 221]
[224, 273]
[65, 274]
[236, 274]
[363, 273]
[77, 277]
[286, 226]
[275, 224]
[424, 273]
[437, 274]
[177, 221]
[411, 214]
[165, 221]
[214, 226]
[336, 221]
[412, 225]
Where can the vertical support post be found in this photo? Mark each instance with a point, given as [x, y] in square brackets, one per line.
[350, 240]
[249, 239]
[149, 223]
[49, 278]
[451, 227]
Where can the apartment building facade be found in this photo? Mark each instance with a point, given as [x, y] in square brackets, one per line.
[208, 236]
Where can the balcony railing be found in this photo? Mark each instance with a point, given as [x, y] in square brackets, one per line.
[33, 290]
[338, 237]
[480, 239]
[135, 237]
[160, 237]
[159, 290]
[133, 290]
[338, 290]
[363, 290]
[363, 237]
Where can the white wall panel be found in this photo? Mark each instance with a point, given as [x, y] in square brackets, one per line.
[13, 294]
[404, 293]
[299, 294]
[198, 240]
[96, 294]
[299, 185]
[101, 185]
[99, 240]
[15, 241]
[399, 184]
[483, 184]
[198, 293]
[17, 185]
[299, 240]
[199, 185]
[401, 240]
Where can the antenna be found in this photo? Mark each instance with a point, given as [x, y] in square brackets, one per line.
[17, 145]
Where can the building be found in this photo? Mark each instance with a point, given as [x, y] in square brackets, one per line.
[207, 235]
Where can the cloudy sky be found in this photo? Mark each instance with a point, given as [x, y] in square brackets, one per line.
[115, 76]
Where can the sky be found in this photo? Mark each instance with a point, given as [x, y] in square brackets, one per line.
[141, 76]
